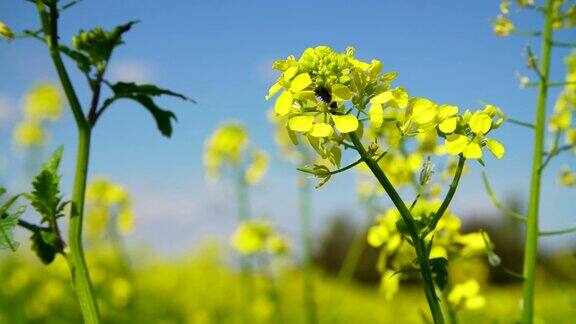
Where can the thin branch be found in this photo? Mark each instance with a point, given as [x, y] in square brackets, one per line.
[558, 232]
[563, 44]
[449, 195]
[553, 152]
[526, 33]
[69, 4]
[548, 84]
[29, 226]
[520, 123]
[511, 273]
[497, 203]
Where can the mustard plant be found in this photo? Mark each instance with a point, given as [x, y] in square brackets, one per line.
[300, 155]
[227, 151]
[557, 15]
[91, 51]
[333, 98]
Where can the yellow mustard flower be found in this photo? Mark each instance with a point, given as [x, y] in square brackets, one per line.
[250, 236]
[567, 178]
[225, 146]
[503, 26]
[43, 102]
[29, 133]
[257, 168]
[107, 202]
[5, 31]
[466, 295]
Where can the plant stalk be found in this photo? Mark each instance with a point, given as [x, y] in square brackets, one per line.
[306, 237]
[245, 266]
[75, 252]
[417, 240]
[531, 247]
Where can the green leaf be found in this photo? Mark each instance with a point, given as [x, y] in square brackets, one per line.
[45, 244]
[81, 60]
[45, 196]
[143, 94]
[131, 89]
[439, 271]
[8, 222]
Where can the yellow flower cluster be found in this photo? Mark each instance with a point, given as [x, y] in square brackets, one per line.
[325, 95]
[396, 253]
[43, 103]
[108, 203]
[254, 236]
[228, 146]
[466, 295]
[502, 25]
[562, 120]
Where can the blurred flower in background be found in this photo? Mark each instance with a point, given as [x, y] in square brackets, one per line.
[42, 104]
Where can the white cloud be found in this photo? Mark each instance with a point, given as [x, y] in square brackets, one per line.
[136, 71]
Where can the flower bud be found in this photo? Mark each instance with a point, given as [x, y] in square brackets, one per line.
[5, 31]
[426, 172]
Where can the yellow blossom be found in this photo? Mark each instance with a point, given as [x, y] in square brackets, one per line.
[44, 101]
[29, 133]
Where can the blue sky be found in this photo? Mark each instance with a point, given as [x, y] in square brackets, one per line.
[220, 52]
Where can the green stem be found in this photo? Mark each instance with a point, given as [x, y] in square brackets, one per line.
[531, 245]
[357, 246]
[245, 265]
[306, 237]
[446, 202]
[75, 251]
[417, 240]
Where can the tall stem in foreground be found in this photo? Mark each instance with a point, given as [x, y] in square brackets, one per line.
[75, 256]
[306, 237]
[531, 248]
[75, 253]
[418, 242]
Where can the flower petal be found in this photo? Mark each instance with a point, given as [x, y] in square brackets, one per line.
[341, 93]
[376, 115]
[473, 151]
[346, 123]
[290, 72]
[480, 123]
[455, 144]
[301, 123]
[382, 98]
[300, 82]
[283, 103]
[447, 126]
[321, 130]
[496, 148]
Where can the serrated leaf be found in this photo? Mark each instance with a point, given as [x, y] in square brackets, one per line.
[131, 89]
[54, 162]
[8, 222]
[45, 196]
[143, 94]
